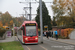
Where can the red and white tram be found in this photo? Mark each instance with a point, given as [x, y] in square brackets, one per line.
[28, 32]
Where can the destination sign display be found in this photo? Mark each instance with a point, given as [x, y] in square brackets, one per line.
[31, 24]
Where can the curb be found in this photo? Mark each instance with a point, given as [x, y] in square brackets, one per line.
[64, 42]
[6, 40]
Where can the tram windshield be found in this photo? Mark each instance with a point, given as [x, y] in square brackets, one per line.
[30, 30]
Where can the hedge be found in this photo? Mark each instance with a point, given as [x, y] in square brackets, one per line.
[2, 31]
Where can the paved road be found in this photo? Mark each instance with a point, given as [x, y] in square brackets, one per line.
[49, 45]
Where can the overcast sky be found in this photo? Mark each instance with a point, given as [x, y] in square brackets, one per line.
[15, 8]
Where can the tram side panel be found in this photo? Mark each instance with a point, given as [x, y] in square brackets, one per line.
[19, 35]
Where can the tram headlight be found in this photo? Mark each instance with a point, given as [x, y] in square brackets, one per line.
[36, 38]
[26, 38]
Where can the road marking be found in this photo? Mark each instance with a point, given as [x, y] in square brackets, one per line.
[56, 42]
[43, 47]
[28, 48]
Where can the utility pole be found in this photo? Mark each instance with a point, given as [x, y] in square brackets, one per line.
[13, 31]
[40, 3]
[17, 18]
[30, 11]
[13, 28]
[27, 12]
[41, 22]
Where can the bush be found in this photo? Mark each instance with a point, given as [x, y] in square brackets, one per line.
[2, 31]
[63, 37]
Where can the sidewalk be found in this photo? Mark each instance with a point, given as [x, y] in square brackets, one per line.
[9, 39]
[69, 41]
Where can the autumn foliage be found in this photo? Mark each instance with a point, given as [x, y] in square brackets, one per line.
[65, 32]
[1, 24]
[7, 20]
[64, 12]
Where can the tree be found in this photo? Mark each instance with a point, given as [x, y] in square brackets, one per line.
[64, 9]
[6, 18]
[54, 22]
[0, 14]
[11, 23]
[18, 20]
[46, 18]
[1, 24]
[57, 8]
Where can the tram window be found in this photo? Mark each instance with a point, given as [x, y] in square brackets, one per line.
[31, 31]
[23, 31]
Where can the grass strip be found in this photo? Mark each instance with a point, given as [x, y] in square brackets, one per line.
[15, 45]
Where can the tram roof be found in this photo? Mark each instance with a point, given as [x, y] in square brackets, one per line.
[28, 22]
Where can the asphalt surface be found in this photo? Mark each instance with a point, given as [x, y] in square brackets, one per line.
[49, 45]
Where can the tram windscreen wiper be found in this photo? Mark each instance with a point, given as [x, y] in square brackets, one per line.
[31, 36]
